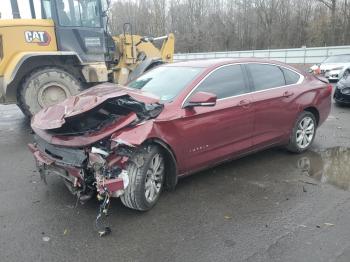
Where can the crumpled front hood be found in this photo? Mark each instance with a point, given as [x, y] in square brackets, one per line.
[54, 116]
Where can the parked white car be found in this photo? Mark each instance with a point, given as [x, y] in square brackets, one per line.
[334, 67]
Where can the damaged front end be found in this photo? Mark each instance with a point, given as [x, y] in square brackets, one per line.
[84, 171]
[81, 152]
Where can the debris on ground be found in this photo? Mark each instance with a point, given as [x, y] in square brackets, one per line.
[46, 239]
[103, 212]
[227, 217]
[308, 182]
[326, 224]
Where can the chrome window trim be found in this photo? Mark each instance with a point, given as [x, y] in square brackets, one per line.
[301, 79]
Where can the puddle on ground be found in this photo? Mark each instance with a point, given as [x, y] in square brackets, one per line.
[331, 166]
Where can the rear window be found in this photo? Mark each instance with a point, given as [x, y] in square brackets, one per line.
[266, 76]
[290, 76]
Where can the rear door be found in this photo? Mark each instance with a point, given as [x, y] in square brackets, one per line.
[275, 90]
[212, 134]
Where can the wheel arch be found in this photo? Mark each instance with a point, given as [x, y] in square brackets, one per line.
[315, 112]
[28, 63]
[170, 162]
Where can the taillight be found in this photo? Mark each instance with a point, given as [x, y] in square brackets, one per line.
[329, 89]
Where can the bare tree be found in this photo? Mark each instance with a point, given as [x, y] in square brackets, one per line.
[219, 25]
[332, 6]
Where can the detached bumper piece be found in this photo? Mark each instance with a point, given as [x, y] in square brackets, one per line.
[63, 162]
[85, 172]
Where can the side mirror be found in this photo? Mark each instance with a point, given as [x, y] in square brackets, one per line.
[201, 99]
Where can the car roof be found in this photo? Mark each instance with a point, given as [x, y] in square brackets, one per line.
[212, 63]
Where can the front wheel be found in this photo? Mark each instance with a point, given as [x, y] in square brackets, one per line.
[303, 133]
[146, 171]
[46, 87]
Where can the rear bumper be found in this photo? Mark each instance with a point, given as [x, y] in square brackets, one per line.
[333, 74]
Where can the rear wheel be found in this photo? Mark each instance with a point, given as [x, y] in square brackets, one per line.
[146, 172]
[46, 87]
[303, 133]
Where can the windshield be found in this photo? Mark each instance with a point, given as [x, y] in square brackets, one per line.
[166, 82]
[345, 80]
[338, 59]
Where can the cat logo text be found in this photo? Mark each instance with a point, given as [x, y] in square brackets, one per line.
[37, 37]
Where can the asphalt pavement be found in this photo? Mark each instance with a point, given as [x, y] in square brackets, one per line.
[270, 206]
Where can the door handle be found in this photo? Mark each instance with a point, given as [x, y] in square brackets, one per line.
[244, 103]
[288, 94]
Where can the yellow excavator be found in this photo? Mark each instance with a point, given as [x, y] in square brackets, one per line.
[65, 47]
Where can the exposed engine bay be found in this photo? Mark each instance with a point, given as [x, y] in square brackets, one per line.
[106, 113]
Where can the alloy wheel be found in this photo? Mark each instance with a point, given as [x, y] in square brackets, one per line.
[154, 178]
[305, 132]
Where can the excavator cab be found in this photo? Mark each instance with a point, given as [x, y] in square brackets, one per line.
[79, 25]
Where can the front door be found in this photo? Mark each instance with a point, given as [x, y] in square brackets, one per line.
[213, 134]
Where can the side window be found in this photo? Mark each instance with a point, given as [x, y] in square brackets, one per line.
[68, 13]
[79, 13]
[46, 9]
[290, 76]
[90, 14]
[266, 76]
[225, 82]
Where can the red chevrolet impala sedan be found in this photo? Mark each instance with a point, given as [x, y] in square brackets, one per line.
[131, 142]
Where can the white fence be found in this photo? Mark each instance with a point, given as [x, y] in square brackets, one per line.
[309, 55]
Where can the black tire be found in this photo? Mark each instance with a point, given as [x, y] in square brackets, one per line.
[45, 87]
[294, 145]
[139, 169]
